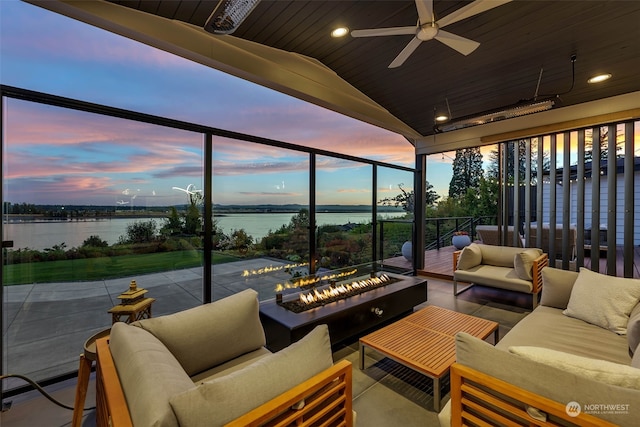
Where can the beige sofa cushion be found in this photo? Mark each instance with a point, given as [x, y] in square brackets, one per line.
[470, 257]
[216, 402]
[500, 256]
[149, 373]
[635, 362]
[603, 300]
[210, 334]
[547, 327]
[523, 263]
[556, 287]
[497, 277]
[633, 329]
[595, 369]
[548, 381]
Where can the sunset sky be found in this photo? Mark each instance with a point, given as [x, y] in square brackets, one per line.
[57, 156]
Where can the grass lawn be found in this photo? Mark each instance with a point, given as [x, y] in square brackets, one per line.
[105, 267]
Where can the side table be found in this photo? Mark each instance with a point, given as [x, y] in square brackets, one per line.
[84, 371]
[132, 312]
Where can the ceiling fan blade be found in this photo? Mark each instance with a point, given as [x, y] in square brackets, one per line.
[470, 10]
[425, 11]
[406, 52]
[392, 31]
[462, 45]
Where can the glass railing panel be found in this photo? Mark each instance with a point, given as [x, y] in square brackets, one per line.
[261, 216]
[395, 207]
[91, 203]
[343, 213]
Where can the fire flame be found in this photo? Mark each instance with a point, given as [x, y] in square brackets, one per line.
[342, 289]
[313, 280]
[271, 269]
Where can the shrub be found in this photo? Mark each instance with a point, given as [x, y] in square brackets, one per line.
[95, 242]
[139, 232]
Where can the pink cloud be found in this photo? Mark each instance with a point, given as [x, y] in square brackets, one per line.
[353, 190]
[75, 40]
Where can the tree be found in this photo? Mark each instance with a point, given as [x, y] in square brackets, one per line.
[299, 236]
[300, 220]
[192, 220]
[173, 224]
[186, 223]
[240, 240]
[604, 138]
[467, 171]
[140, 232]
[493, 171]
[406, 199]
[483, 201]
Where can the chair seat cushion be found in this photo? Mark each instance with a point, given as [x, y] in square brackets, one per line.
[497, 277]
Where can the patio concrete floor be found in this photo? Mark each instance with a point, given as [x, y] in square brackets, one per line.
[42, 317]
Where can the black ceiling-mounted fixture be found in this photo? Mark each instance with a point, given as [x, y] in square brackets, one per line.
[228, 15]
[524, 107]
[518, 109]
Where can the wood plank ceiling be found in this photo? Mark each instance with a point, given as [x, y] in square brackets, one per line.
[518, 40]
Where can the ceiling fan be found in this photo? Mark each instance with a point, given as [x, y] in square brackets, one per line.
[428, 28]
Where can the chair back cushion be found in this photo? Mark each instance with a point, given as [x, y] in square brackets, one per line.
[470, 257]
[556, 287]
[149, 374]
[208, 335]
[523, 262]
[499, 256]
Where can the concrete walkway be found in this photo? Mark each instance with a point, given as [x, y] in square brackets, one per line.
[47, 324]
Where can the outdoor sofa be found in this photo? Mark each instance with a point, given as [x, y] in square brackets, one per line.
[558, 242]
[504, 267]
[490, 235]
[207, 366]
[575, 358]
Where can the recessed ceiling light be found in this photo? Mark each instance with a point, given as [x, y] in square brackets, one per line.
[599, 78]
[340, 32]
[442, 118]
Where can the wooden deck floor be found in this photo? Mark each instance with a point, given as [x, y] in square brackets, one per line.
[439, 263]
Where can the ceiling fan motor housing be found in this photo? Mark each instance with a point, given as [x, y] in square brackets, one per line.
[427, 31]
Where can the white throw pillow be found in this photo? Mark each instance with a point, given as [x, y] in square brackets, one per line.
[602, 300]
[595, 369]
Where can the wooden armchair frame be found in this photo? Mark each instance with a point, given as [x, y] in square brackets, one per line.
[538, 264]
[480, 399]
[327, 397]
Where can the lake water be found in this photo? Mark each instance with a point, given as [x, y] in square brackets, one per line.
[41, 235]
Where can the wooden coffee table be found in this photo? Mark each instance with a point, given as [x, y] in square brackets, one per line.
[425, 341]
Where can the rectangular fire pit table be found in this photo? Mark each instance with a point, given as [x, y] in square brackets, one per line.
[425, 341]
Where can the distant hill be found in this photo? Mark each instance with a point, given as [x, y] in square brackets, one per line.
[134, 211]
[267, 208]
